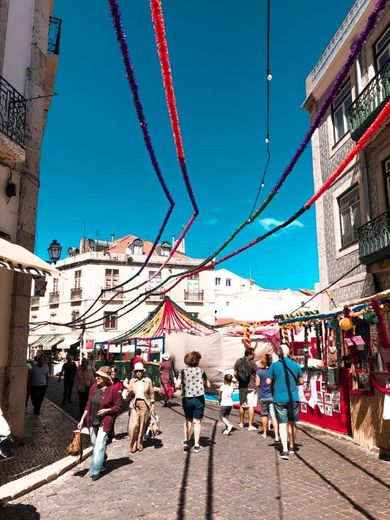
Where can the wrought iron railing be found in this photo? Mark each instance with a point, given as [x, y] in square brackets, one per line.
[54, 297]
[109, 294]
[53, 42]
[193, 296]
[76, 293]
[12, 112]
[374, 239]
[35, 301]
[154, 297]
[368, 104]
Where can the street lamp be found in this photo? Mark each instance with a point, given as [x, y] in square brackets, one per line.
[54, 251]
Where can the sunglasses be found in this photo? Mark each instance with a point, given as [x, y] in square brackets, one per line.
[138, 371]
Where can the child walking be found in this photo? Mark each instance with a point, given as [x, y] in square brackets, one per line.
[226, 402]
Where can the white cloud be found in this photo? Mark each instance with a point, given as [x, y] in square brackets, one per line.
[269, 223]
[212, 221]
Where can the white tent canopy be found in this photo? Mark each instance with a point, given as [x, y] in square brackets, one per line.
[18, 259]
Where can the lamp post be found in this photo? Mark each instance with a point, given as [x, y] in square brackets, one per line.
[54, 251]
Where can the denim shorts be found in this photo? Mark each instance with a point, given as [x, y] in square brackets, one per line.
[287, 412]
[267, 406]
[193, 407]
[224, 411]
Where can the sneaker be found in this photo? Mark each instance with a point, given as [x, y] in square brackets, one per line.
[225, 432]
[292, 450]
[252, 429]
[284, 455]
[186, 445]
[229, 429]
[241, 425]
[197, 449]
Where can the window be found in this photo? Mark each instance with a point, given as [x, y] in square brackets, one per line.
[382, 49]
[53, 317]
[386, 172]
[110, 320]
[155, 281]
[218, 281]
[138, 247]
[40, 285]
[55, 285]
[228, 282]
[349, 207]
[164, 249]
[341, 105]
[75, 315]
[77, 279]
[193, 284]
[112, 278]
[227, 304]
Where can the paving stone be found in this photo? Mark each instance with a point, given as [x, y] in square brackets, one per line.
[240, 477]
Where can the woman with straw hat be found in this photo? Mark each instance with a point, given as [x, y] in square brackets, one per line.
[104, 402]
[167, 385]
[141, 393]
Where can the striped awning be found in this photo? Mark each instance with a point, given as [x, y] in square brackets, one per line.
[45, 340]
[18, 259]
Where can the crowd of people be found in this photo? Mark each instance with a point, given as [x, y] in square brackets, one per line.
[271, 385]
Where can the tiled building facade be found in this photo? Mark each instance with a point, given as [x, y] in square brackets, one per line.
[353, 215]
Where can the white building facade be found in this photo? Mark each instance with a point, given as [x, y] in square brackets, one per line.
[29, 48]
[353, 215]
[212, 296]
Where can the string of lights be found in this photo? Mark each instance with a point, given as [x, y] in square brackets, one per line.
[267, 110]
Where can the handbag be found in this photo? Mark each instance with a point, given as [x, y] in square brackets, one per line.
[7, 448]
[75, 446]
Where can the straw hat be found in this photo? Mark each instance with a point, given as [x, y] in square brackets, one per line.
[104, 372]
[166, 356]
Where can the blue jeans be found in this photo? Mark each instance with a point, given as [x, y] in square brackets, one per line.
[99, 440]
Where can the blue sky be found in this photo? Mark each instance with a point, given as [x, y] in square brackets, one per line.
[95, 171]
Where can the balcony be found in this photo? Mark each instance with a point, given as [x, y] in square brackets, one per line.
[374, 239]
[76, 294]
[110, 294]
[53, 42]
[35, 301]
[369, 103]
[12, 120]
[54, 297]
[154, 297]
[194, 296]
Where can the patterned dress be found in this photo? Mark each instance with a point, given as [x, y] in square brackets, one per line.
[167, 386]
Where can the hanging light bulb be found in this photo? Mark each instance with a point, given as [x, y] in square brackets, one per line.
[266, 140]
[269, 75]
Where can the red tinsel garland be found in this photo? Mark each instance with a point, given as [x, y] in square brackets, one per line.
[379, 387]
[382, 332]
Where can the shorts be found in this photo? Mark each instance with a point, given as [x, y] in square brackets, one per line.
[267, 406]
[193, 407]
[248, 397]
[224, 411]
[287, 412]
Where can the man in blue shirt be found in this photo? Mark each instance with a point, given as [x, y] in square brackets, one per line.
[285, 375]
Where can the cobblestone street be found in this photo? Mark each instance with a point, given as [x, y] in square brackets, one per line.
[240, 476]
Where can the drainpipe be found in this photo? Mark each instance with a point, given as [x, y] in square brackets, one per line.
[367, 207]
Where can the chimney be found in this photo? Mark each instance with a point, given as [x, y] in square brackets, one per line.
[112, 237]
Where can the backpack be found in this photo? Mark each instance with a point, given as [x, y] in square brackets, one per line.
[244, 371]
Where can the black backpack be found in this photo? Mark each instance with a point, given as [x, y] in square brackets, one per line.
[244, 371]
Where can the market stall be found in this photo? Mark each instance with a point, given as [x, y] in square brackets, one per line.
[345, 358]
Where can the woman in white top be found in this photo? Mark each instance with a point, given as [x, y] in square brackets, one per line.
[226, 402]
[193, 382]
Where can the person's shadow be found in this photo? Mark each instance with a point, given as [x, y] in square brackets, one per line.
[111, 465]
[19, 512]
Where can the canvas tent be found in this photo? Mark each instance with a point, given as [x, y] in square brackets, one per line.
[183, 333]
